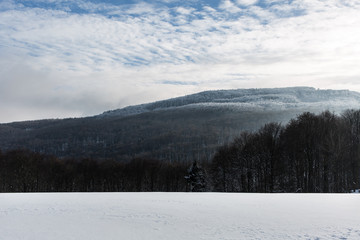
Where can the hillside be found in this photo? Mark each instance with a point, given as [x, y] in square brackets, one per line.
[178, 129]
[251, 99]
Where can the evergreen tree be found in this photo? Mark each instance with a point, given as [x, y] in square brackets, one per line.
[196, 178]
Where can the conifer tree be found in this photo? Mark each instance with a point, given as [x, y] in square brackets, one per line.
[196, 178]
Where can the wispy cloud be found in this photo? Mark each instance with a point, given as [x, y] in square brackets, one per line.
[83, 57]
[246, 2]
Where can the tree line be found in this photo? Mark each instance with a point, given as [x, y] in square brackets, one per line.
[26, 171]
[314, 153]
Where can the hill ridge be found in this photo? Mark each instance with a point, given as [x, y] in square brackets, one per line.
[290, 96]
[177, 129]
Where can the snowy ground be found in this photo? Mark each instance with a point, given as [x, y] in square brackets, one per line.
[171, 216]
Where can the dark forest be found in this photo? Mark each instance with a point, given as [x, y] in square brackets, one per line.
[313, 153]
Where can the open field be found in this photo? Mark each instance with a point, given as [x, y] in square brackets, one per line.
[156, 216]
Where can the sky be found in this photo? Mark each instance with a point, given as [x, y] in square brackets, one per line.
[75, 58]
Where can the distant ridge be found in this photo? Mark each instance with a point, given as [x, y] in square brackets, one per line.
[254, 98]
[177, 129]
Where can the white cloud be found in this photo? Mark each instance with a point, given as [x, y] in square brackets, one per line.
[81, 64]
[185, 11]
[246, 2]
[229, 6]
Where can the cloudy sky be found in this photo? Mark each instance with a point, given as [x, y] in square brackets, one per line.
[72, 58]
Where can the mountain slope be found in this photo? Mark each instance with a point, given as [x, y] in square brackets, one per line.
[178, 129]
[251, 99]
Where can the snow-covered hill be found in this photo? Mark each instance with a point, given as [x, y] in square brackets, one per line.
[253, 99]
[177, 129]
[179, 216]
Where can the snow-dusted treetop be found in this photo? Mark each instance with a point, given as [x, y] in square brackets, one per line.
[257, 98]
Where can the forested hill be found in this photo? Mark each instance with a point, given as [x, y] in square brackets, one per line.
[178, 129]
[252, 99]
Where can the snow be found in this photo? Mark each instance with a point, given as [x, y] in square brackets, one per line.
[253, 99]
[150, 216]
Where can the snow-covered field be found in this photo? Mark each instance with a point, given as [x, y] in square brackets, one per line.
[171, 216]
